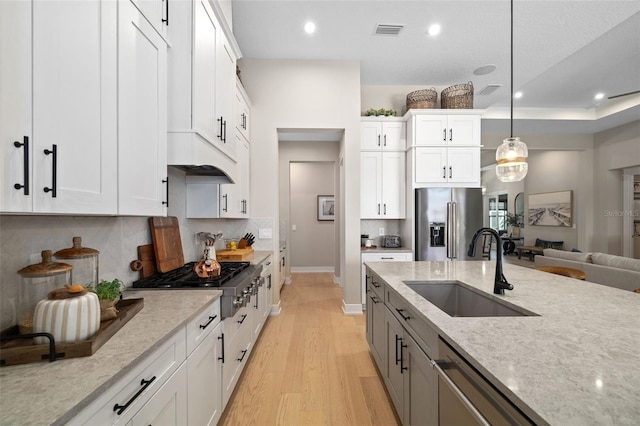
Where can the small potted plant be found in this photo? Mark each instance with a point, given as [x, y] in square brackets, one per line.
[515, 222]
[108, 293]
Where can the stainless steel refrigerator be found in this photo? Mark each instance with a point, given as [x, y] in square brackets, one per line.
[446, 219]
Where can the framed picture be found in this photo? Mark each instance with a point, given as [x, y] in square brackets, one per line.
[551, 209]
[636, 190]
[325, 207]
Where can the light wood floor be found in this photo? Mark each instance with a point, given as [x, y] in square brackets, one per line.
[311, 365]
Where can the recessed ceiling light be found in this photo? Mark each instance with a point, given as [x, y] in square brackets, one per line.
[517, 95]
[434, 30]
[309, 27]
[485, 69]
[599, 96]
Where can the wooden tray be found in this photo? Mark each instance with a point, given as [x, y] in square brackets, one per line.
[24, 351]
[238, 254]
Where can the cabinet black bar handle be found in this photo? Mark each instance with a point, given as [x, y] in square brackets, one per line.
[450, 172]
[444, 172]
[378, 208]
[373, 283]
[221, 358]
[119, 409]
[25, 160]
[166, 11]
[224, 197]
[450, 134]
[385, 140]
[400, 311]
[402, 367]
[444, 135]
[398, 339]
[378, 140]
[54, 172]
[203, 326]
[385, 209]
[244, 352]
[166, 189]
[224, 131]
[244, 317]
[375, 300]
[220, 121]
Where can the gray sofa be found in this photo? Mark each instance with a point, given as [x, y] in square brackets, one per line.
[601, 268]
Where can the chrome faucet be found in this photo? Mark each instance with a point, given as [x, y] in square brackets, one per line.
[500, 283]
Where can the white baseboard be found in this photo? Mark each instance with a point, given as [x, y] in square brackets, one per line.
[275, 310]
[337, 281]
[287, 281]
[307, 269]
[352, 308]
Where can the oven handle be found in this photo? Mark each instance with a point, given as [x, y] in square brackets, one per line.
[456, 390]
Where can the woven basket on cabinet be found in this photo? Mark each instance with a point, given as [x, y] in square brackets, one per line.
[422, 99]
[458, 96]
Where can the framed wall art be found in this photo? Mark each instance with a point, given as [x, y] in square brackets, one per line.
[326, 207]
[551, 209]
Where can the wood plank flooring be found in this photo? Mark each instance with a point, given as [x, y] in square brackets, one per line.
[311, 365]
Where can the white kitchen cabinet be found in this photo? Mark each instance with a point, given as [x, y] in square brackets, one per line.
[235, 197]
[142, 112]
[168, 406]
[198, 72]
[262, 300]
[445, 130]
[447, 165]
[238, 342]
[382, 135]
[386, 256]
[382, 185]
[59, 93]
[204, 374]
[156, 12]
[242, 112]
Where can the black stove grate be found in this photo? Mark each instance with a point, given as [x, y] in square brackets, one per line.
[184, 277]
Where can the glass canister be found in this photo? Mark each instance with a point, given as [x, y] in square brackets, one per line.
[84, 261]
[39, 279]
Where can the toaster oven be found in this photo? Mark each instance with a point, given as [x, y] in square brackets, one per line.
[390, 241]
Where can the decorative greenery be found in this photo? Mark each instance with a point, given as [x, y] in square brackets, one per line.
[381, 111]
[515, 219]
[108, 290]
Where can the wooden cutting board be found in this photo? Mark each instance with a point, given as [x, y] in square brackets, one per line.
[167, 244]
[238, 254]
[146, 262]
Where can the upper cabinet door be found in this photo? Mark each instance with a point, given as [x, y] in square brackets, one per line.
[16, 189]
[393, 135]
[371, 135]
[74, 107]
[156, 12]
[142, 112]
[225, 94]
[430, 130]
[463, 130]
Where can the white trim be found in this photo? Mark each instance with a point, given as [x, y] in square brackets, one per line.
[352, 308]
[337, 280]
[309, 269]
[287, 280]
[275, 310]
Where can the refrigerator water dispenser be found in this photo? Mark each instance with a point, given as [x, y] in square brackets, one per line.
[436, 234]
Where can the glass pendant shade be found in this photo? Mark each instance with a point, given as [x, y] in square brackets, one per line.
[511, 159]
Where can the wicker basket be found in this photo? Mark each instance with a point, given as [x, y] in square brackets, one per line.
[422, 99]
[458, 96]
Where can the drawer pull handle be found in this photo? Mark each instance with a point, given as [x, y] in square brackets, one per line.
[374, 299]
[386, 258]
[244, 316]
[25, 161]
[54, 171]
[221, 358]
[244, 352]
[376, 285]
[119, 409]
[402, 366]
[400, 311]
[208, 322]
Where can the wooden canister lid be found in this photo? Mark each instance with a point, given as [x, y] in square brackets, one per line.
[77, 251]
[45, 268]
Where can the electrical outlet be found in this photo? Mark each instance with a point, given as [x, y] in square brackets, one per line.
[381, 231]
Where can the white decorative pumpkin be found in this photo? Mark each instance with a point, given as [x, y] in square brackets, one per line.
[68, 320]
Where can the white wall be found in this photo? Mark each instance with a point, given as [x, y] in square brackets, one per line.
[292, 94]
[312, 244]
[614, 150]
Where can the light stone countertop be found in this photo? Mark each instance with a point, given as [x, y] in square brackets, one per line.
[43, 393]
[577, 363]
[379, 249]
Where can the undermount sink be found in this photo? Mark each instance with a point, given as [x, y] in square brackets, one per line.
[457, 300]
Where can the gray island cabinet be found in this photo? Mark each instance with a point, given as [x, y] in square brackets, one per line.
[565, 363]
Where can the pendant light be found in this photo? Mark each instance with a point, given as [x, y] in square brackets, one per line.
[511, 155]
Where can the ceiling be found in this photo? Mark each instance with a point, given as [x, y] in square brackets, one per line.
[565, 51]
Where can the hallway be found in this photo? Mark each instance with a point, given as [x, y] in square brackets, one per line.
[311, 365]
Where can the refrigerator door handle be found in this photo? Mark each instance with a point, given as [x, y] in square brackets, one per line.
[452, 219]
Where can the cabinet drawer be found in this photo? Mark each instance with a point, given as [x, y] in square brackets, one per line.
[424, 334]
[137, 387]
[375, 284]
[202, 325]
[242, 317]
[236, 354]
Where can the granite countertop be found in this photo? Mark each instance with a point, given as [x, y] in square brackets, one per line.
[41, 393]
[574, 364]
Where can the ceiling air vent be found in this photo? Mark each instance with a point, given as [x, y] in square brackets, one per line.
[488, 89]
[388, 29]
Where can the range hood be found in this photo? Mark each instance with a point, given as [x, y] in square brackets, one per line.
[191, 153]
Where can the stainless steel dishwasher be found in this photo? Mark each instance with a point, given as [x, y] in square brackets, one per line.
[467, 398]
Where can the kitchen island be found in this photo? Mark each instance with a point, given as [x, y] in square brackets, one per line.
[46, 393]
[574, 363]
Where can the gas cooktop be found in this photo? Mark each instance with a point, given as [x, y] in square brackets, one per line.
[185, 277]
